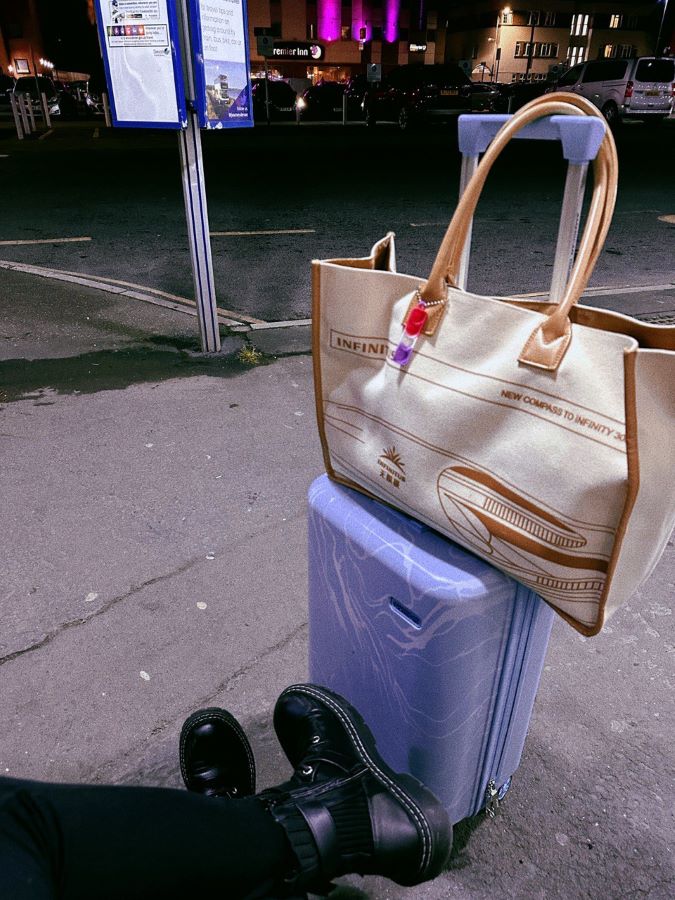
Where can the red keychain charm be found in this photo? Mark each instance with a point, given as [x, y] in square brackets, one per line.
[413, 327]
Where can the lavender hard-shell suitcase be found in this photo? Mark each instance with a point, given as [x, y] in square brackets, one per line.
[439, 651]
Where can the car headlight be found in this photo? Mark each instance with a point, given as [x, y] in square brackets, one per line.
[300, 103]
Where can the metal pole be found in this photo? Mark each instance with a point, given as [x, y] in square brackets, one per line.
[106, 110]
[530, 51]
[469, 166]
[196, 212]
[267, 93]
[31, 112]
[24, 114]
[17, 118]
[45, 110]
[568, 231]
[344, 109]
[657, 51]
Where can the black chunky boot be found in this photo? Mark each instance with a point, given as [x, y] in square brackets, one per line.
[216, 759]
[344, 810]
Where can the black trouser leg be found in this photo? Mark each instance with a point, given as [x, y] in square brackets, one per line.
[76, 842]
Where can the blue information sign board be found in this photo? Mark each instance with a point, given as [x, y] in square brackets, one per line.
[141, 56]
[219, 32]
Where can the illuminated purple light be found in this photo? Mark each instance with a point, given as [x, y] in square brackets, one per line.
[391, 13]
[357, 34]
[329, 19]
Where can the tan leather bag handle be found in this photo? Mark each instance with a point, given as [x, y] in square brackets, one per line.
[547, 344]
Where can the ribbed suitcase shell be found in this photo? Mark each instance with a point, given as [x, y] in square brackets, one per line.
[440, 652]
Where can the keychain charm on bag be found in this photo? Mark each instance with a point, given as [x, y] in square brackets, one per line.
[422, 317]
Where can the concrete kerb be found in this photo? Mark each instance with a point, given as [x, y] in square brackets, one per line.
[289, 337]
[279, 338]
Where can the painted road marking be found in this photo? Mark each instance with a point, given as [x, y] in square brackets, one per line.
[72, 240]
[606, 290]
[265, 231]
[46, 134]
[148, 294]
[183, 304]
[238, 317]
[626, 212]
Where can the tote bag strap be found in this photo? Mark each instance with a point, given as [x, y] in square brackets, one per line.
[548, 343]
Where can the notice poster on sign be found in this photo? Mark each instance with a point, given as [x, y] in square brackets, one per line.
[221, 63]
[139, 42]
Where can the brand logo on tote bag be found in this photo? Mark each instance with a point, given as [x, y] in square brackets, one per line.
[391, 466]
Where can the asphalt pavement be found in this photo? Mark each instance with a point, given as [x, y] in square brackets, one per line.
[153, 548]
[283, 195]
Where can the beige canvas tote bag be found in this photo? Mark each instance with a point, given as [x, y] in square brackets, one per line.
[538, 436]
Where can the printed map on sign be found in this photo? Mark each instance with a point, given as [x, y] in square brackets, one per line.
[225, 96]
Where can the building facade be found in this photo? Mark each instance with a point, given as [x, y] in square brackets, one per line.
[530, 42]
[351, 34]
[494, 41]
[21, 45]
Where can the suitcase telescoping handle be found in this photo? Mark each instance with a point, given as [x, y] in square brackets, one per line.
[547, 345]
[580, 137]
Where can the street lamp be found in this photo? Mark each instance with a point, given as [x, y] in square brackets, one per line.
[498, 50]
[657, 49]
[530, 47]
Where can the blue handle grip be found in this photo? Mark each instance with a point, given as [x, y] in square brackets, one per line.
[580, 136]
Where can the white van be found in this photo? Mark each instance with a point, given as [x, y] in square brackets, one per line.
[625, 89]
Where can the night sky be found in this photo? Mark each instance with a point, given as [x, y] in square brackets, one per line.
[70, 39]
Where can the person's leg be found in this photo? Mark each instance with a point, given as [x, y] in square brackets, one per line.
[75, 842]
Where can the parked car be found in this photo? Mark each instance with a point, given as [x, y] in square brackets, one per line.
[415, 93]
[355, 92]
[78, 99]
[34, 85]
[6, 88]
[512, 96]
[281, 100]
[322, 101]
[625, 89]
[484, 96]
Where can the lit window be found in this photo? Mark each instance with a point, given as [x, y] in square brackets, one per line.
[579, 24]
[615, 21]
[576, 55]
[506, 16]
[609, 51]
[539, 50]
[533, 18]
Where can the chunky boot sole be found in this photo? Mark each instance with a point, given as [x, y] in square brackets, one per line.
[236, 735]
[424, 809]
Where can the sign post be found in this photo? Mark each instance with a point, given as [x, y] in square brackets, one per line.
[169, 66]
[265, 49]
[15, 113]
[45, 110]
[196, 212]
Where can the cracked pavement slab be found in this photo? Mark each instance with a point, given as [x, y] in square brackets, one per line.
[153, 521]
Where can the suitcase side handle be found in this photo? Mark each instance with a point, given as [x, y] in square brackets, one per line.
[580, 136]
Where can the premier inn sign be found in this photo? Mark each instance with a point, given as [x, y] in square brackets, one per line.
[297, 50]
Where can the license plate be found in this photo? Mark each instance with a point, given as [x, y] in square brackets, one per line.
[652, 93]
[449, 93]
